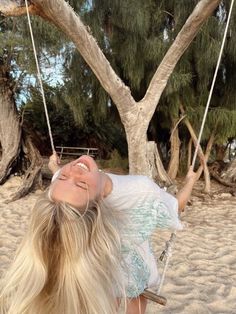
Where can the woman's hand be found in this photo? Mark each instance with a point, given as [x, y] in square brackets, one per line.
[54, 158]
[54, 162]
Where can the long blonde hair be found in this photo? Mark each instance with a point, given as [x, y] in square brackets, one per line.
[65, 264]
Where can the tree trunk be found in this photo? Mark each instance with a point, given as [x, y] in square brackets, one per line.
[207, 187]
[175, 150]
[190, 144]
[33, 174]
[157, 170]
[207, 152]
[144, 157]
[16, 152]
[200, 153]
[220, 152]
[10, 129]
[62, 15]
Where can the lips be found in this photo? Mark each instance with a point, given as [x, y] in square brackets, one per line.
[83, 163]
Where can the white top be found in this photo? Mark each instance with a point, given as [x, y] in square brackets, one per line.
[146, 207]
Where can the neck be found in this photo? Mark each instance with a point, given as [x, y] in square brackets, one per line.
[107, 186]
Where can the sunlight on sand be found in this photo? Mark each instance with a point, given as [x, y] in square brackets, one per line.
[201, 277]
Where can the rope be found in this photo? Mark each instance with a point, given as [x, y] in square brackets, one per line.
[168, 250]
[167, 253]
[212, 85]
[40, 78]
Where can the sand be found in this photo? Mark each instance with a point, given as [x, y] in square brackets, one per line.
[201, 277]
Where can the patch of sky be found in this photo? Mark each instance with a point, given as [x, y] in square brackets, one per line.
[51, 70]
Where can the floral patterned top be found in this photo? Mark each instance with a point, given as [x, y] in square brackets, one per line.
[146, 207]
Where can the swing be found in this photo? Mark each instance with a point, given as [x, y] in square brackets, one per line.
[167, 252]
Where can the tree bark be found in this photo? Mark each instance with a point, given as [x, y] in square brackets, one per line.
[220, 152]
[10, 129]
[190, 144]
[15, 146]
[33, 171]
[62, 15]
[207, 152]
[200, 153]
[147, 154]
[175, 150]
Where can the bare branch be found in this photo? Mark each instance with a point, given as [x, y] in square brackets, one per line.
[176, 125]
[190, 29]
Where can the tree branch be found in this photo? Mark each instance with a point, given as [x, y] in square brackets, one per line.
[16, 8]
[64, 17]
[190, 29]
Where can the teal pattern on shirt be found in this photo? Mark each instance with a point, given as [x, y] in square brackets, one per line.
[136, 272]
[144, 219]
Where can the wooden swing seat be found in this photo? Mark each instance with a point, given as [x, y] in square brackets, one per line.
[150, 295]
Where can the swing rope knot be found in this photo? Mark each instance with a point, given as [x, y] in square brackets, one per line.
[167, 252]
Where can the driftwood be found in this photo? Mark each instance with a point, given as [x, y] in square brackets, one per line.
[214, 174]
[221, 181]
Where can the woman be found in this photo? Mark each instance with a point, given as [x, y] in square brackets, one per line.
[87, 246]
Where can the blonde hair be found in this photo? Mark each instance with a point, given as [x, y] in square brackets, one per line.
[65, 264]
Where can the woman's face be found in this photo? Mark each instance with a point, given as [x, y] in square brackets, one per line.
[78, 183]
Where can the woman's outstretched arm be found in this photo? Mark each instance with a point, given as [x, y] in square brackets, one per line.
[185, 192]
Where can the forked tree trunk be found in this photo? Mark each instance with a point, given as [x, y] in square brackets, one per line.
[207, 187]
[174, 151]
[10, 129]
[200, 153]
[207, 152]
[62, 15]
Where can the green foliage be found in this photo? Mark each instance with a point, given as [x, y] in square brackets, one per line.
[134, 35]
[115, 161]
[64, 127]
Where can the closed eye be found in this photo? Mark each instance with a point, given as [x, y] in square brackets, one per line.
[62, 177]
[81, 184]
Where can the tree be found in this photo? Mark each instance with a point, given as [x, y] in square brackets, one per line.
[135, 116]
[19, 154]
[15, 143]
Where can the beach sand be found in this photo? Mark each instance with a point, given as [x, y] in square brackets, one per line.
[201, 277]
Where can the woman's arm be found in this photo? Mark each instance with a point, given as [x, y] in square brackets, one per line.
[54, 163]
[184, 194]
